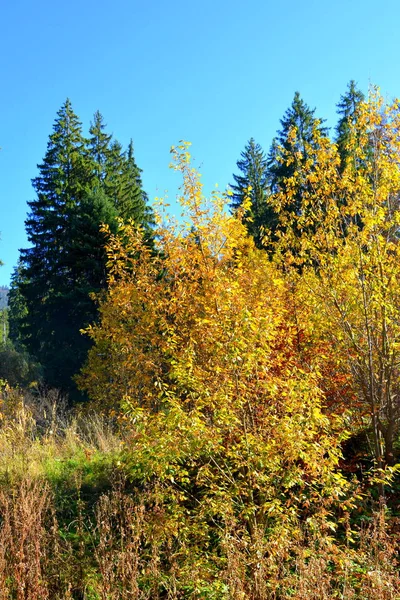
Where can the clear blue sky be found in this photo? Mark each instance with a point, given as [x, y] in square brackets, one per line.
[215, 72]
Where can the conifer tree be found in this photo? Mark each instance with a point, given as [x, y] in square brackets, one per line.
[85, 261]
[252, 183]
[347, 110]
[99, 145]
[118, 175]
[113, 172]
[123, 186]
[82, 184]
[288, 153]
[53, 275]
[60, 185]
[17, 307]
[133, 200]
[348, 140]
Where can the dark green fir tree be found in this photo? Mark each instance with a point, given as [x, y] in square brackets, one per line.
[113, 172]
[99, 146]
[17, 307]
[82, 184]
[85, 261]
[50, 277]
[133, 201]
[347, 110]
[123, 186]
[291, 149]
[45, 278]
[252, 183]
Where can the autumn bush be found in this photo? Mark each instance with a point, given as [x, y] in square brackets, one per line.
[345, 268]
[214, 373]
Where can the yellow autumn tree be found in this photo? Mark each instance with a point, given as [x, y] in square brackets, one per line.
[198, 347]
[346, 264]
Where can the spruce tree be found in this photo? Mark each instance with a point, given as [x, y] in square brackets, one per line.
[85, 260]
[289, 150]
[113, 172]
[52, 272]
[82, 184]
[17, 308]
[118, 175]
[347, 110]
[123, 186]
[252, 183]
[60, 186]
[133, 200]
[99, 146]
[17, 366]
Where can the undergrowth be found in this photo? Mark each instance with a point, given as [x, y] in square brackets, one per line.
[76, 524]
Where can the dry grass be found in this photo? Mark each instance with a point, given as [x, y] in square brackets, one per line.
[124, 564]
[68, 533]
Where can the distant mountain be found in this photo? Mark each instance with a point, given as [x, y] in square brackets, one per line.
[3, 297]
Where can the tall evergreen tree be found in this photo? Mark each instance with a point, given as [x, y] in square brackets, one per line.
[52, 273]
[123, 185]
[298, 127]
[85, 261]
[82, 183]
[17, 366]
[113, 172]
[60, 186]
[17, 307]
[252, 183]
[99, 145]
[118, 175]
[347, 110]
[133, 200]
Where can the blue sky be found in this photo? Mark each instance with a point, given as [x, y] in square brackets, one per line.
[214, 72]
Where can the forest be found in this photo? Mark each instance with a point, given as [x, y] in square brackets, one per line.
[207, 405]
